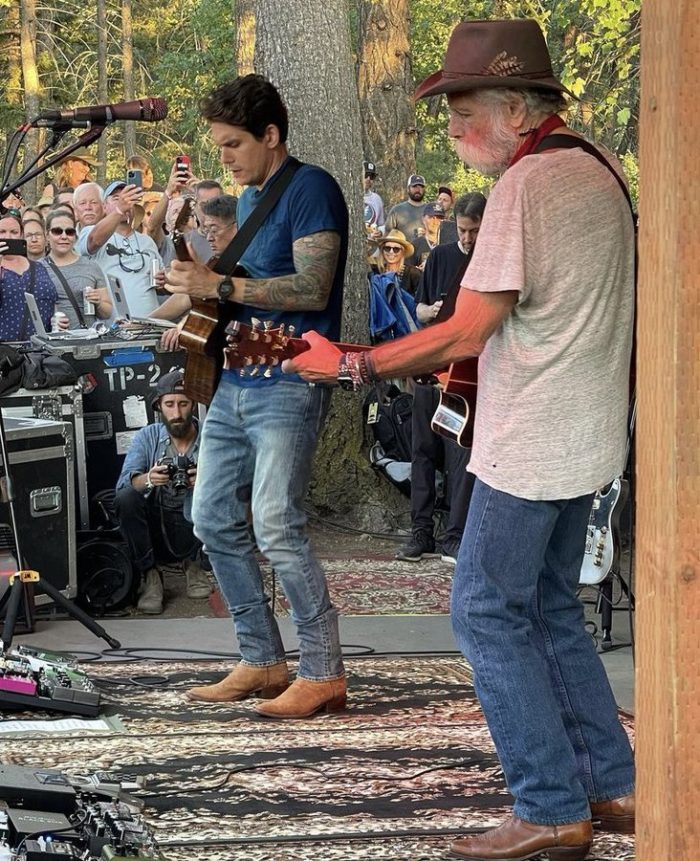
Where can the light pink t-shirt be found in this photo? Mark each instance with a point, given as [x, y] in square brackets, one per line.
[552, 397]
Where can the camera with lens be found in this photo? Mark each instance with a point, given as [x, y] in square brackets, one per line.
[177, 471]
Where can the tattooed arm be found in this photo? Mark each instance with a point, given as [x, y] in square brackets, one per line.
[306, 289]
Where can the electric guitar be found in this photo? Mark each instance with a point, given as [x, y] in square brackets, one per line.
[602, 544]
[454, 416]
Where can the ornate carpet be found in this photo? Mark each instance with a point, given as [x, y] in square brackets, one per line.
[406, 767]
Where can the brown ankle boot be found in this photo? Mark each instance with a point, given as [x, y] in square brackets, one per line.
[243, 681]
[304, 697]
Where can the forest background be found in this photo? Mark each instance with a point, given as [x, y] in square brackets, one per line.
[347, 70]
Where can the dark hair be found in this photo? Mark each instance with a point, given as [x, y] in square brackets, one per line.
[223, 207]
[250, 102]
[35, 215]
[59, 212]
[470, 205]
[16, 218]
[207, 185]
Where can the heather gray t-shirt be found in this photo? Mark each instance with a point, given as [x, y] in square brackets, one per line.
[553, 385]
[407, 218]
[82, 275]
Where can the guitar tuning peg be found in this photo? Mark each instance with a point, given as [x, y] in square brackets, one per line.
[255, 323]
[255, 371]
[291, 330]
[267, 325]
[241, 373]
[281, 330]
[267, 373]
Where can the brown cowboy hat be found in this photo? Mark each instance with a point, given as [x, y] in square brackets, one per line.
[511, 53]
[400, 239]
[81, 154]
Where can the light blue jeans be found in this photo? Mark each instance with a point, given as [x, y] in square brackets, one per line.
[542, 686]
[257, 448]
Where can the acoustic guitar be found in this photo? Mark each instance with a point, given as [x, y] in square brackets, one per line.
[454, 416]
[202, 334]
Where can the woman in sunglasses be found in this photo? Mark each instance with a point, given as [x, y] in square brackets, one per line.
[17, 277]
[394, 248]
[71, 272]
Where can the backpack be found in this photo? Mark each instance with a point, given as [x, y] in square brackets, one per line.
[387, 411]
[11, 369]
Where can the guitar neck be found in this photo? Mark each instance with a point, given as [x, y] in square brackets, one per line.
[296, 346]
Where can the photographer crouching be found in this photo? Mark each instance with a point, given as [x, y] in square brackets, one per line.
[154, 496]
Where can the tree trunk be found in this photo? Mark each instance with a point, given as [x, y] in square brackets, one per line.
[245, 36]
[102, 85]
[385, 82]
[303, 47]
[30, 77]
[128, 75]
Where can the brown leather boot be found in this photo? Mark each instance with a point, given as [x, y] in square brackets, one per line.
[517, 840]
[304, 698]
[243, 681]
[616, 815]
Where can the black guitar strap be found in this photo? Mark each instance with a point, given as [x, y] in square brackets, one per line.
[234, 250]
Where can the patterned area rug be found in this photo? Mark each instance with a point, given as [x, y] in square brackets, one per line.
[406, 767]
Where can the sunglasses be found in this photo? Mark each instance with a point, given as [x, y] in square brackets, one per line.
[392, 249]
[59, 231]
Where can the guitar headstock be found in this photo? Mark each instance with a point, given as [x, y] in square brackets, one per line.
[258, 348]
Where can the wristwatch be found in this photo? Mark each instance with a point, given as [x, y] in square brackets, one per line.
[225, 289]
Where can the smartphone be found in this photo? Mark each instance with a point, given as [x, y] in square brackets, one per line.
[443, 296]
[182, 162]
[17, 247]
[134, 177]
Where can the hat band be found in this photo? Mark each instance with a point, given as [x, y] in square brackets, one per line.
[547, 73]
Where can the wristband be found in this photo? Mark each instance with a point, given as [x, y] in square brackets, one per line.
[149, 483]
[344, 378]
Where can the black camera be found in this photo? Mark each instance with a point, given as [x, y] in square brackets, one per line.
[177, 471]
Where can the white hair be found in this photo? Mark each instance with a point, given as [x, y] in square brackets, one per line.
[84, 187]
[536, 101]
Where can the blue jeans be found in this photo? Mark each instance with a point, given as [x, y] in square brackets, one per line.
[542, 686]
[256, 450]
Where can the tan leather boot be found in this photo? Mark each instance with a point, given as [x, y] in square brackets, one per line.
[304, 698]
[243, 681]
[517, 840]
[616, 815]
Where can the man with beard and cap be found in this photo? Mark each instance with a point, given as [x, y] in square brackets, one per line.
[547, 304]
[407, 216]
[154, 501]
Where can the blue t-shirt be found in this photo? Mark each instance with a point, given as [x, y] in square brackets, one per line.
[311, 203]
[13, 308]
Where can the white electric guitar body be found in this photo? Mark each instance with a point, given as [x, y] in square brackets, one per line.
[602, 534]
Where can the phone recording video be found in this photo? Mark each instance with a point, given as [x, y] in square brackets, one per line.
[182, 162]
[13, 247]
[134, 177]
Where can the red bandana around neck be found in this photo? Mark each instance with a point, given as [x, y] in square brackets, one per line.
[532, 137]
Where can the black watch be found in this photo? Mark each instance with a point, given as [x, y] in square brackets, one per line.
[225, 289]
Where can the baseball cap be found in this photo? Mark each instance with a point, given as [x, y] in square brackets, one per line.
[169, 384]
[434, 209]
[445, 190]
[115, 185]
[370, 168]
[415, 179]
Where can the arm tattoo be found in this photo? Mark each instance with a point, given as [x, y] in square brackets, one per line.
[308, 289]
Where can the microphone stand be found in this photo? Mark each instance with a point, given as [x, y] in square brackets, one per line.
[87, 138]
[20, 578]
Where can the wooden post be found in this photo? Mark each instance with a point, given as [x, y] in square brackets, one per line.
[668, 437]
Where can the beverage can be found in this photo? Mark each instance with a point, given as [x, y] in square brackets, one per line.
[155, 269]
[55, 324]
[88, 307]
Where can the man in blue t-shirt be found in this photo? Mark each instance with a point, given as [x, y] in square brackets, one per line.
[260, 432]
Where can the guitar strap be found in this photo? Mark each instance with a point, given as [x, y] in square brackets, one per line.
[570, 142]
[233, 252]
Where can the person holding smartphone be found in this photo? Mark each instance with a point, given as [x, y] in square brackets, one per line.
[18, 276]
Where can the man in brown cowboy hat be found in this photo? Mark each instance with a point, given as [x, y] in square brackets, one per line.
[547, 304]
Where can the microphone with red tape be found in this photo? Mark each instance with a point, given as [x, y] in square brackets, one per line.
[145, 110]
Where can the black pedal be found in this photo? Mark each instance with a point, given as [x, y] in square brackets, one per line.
[36, 789]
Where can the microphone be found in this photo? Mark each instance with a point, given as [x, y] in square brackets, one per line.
[145, 110]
